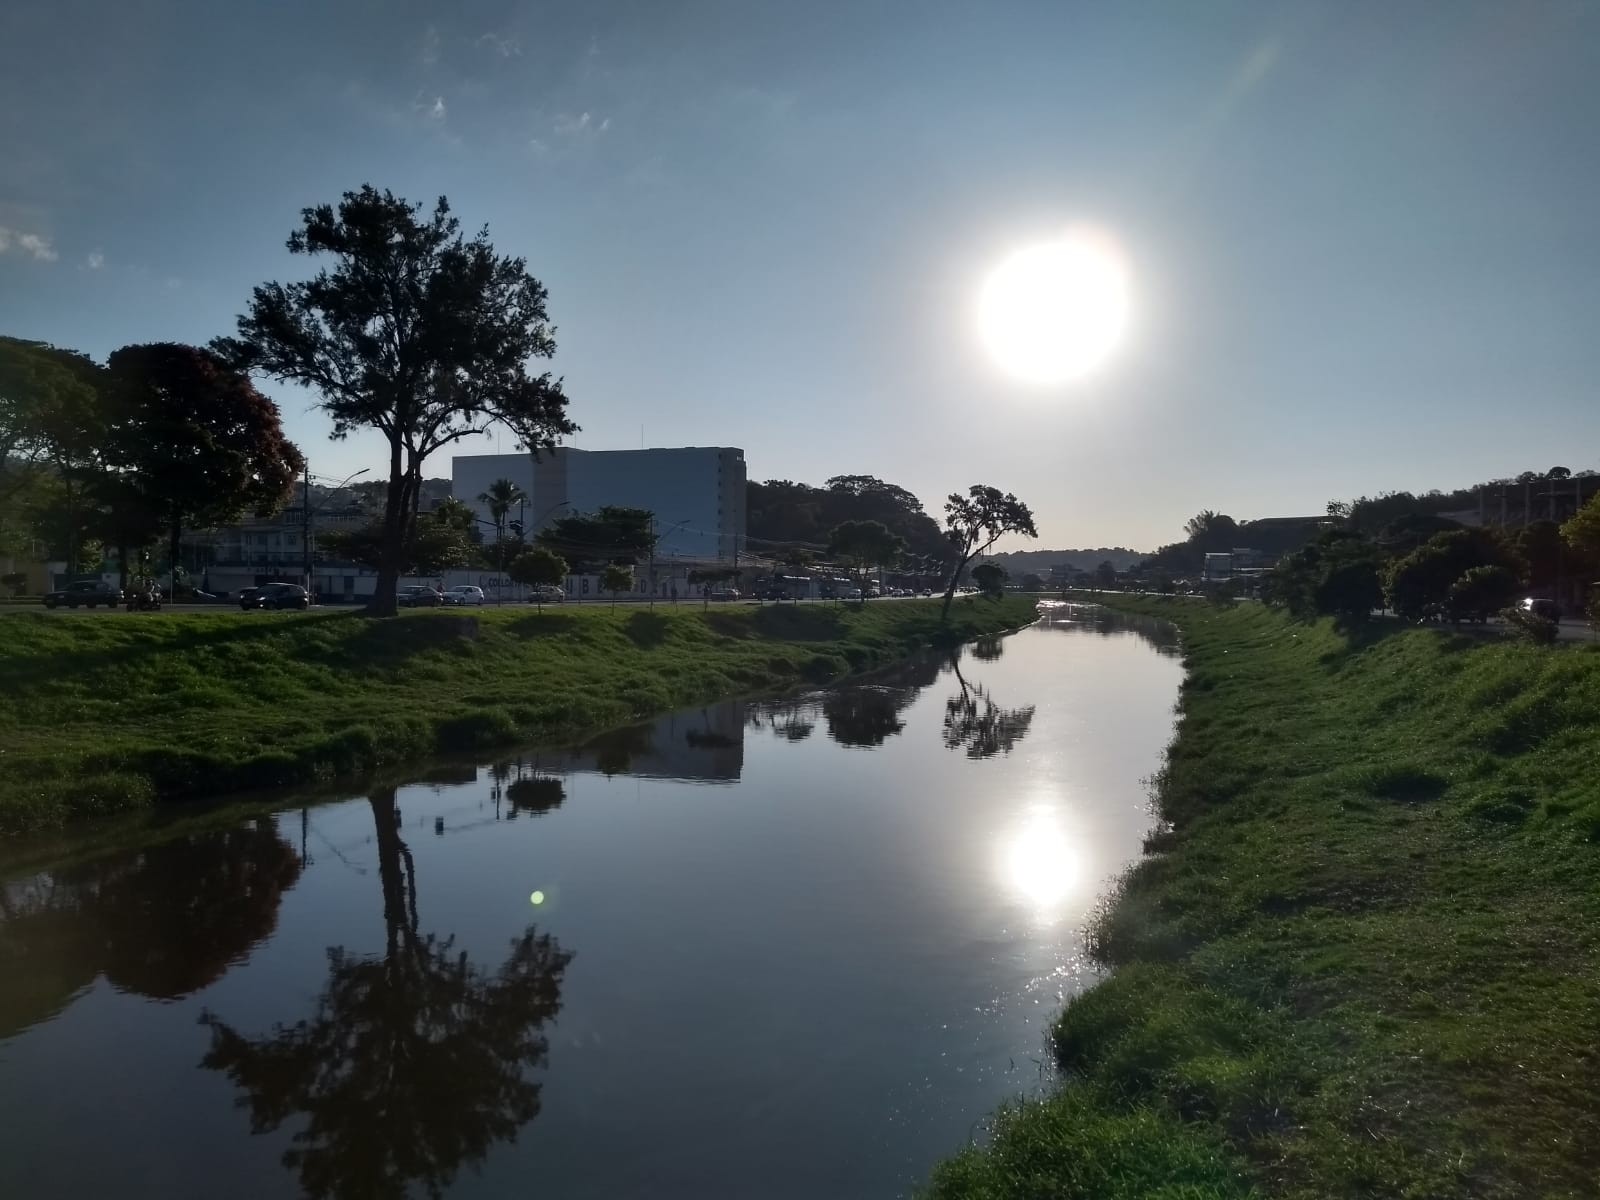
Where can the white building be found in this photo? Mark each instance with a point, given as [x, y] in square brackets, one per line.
[697, 493]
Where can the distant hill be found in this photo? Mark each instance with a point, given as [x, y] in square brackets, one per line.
[1020, 562]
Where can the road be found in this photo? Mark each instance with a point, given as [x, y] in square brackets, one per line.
[682, 602]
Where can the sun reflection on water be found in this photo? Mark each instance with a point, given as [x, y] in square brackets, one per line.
[1039, 863]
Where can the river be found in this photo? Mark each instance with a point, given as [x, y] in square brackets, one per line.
[762, 948]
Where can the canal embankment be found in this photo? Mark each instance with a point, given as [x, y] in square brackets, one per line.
[109, 713]
[1362, 955]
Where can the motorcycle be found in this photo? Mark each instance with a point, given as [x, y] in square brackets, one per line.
[146, 599]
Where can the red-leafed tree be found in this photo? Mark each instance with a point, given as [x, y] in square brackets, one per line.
[194, 439]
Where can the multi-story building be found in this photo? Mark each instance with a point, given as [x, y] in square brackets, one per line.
[697, 493]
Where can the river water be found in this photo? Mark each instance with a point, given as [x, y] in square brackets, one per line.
[793, 948]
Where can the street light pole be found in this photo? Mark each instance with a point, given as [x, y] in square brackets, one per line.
[306, 530]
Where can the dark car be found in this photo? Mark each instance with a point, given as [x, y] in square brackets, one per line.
[419, 595]
[87, 592]
[247, 597]
[276, 595]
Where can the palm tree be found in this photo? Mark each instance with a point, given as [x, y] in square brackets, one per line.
[500, 498]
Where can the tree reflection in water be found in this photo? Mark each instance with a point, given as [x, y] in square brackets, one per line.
[163, 921]
[413, 1063]
[973, 721]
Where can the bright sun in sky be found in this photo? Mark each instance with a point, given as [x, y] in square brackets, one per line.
[1053, 312]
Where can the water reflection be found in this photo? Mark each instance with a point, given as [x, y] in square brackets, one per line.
[413, 1062]
[1038, 863]
[163, 922]
[975, 723]
[1161, 635]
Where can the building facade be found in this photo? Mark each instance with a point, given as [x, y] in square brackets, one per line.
[697, 493]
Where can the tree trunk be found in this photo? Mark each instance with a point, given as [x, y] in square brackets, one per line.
[395, 517]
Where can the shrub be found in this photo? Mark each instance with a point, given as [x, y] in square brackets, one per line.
[1530, 625]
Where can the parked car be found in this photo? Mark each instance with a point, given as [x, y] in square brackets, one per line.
[87, 592]
[853, 594]
[463, 595]
[275, 595]
[546, 593]
[1540, 607]
[420, 595]
[926, 592]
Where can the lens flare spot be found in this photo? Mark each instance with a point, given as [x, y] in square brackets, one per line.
[536, 897]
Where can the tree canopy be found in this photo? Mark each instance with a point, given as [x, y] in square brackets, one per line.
[195, 441]
[612, 534]
[783, 516]
[416, 332]
[975, 522]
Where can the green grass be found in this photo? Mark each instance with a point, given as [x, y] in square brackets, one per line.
[1363, 956]
[102, 714]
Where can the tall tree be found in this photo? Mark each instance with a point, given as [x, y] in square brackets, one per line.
[975, 522]
[196, 439]
[416, 332]
[54, 413]
[501, 497]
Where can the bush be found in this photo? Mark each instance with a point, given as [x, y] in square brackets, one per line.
[1481, 592]
[1531, 626]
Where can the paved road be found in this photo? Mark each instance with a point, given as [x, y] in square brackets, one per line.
[234, 608]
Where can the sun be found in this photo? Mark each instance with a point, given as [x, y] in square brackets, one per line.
[1054, 312]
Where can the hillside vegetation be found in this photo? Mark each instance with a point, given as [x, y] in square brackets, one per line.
[1363, 957]
[104, 713]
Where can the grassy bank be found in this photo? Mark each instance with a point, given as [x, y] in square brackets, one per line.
[106, 713]
[1364, 959]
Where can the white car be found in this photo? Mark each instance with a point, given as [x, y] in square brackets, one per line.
[464, 595]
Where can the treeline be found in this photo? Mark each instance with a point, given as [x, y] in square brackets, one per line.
[1455, 574]
[1395, 520]
[129, 452]
[782, 517]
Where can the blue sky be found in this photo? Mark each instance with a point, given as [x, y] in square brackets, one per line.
[1363, 238]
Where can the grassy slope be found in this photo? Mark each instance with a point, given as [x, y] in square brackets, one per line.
[1365, 959]
[100, 714]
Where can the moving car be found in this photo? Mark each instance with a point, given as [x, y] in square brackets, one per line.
[276, 595]
[420, 595]
[87, 592]
[463, 595]
[247, 598]
[723, 594]
[546, 593]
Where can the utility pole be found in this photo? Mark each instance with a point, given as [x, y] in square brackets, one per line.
[305, 530]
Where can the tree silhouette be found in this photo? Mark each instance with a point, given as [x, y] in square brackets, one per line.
[414, 1062]
[537, 795]
[416, 332]
[162, 921]
[868, 714]
[974, 523]
[974, 722]
[200, 445]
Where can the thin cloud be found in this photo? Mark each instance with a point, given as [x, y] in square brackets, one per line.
[584, 124]
[36, 247]
[503, 45]
[433, 111]
[430, 46]
[95, 260]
